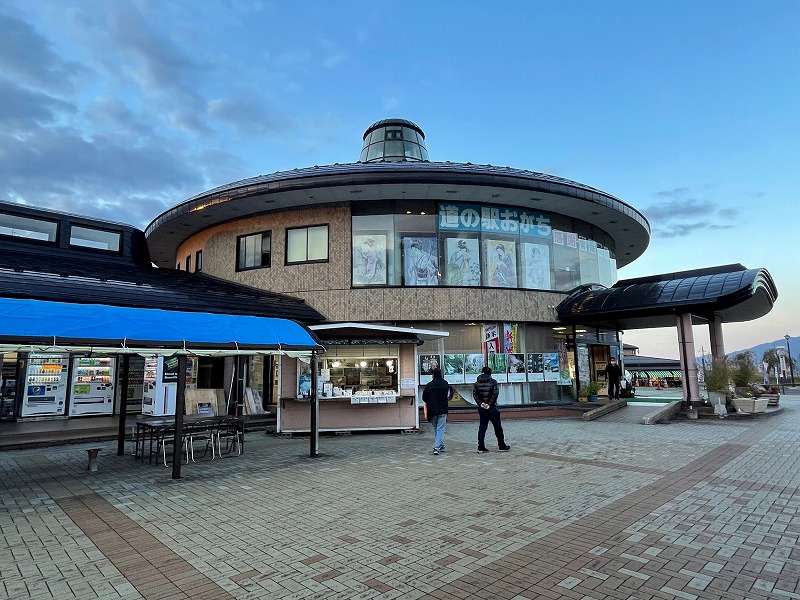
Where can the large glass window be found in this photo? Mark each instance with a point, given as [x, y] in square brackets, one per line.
[252, 251]
[307, 244]
[32, 229]
[97, 239]
[465, 244]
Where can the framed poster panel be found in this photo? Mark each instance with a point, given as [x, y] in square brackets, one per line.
[473, 365]
[454, 368]
[536, 266]
[550, 366]
[420, 261]
[427, 363]
[501, 263]
[497, 363]
[515, 367]
[535, 366]
[463, 262]
[369, 259]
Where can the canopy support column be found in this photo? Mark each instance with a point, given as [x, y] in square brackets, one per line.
[123, 404]
[314, 437]
[180, 407]
[691, 389]
[715, 334]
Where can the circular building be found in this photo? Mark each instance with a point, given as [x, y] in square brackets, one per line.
[395, 248]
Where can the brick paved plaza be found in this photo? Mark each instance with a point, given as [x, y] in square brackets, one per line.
[579, 510]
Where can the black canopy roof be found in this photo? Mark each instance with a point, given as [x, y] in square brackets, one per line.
[731, 292]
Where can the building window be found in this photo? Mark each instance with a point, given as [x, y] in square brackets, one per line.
[198, 261]
[307, 244]
[188, 263]
[24, 227]
[97, 239]
[253, 251]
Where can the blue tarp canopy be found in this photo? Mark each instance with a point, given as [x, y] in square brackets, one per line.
[37, 325]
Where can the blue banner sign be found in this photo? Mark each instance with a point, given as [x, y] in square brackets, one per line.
[494, 219]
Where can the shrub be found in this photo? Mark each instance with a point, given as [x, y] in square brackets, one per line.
[718, 377]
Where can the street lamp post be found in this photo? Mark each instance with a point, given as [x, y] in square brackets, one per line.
[791, 366]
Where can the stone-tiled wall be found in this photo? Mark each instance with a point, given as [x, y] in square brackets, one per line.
[326, 286]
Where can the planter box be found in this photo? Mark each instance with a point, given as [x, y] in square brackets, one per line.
[750, 405]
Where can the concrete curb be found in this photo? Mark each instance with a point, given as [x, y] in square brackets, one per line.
[664, 413]
[604, 410]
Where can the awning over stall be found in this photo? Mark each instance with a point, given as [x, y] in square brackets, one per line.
[38, 325]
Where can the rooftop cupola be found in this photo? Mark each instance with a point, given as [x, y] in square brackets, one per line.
[393, 140]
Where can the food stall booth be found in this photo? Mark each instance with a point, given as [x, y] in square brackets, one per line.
[367, 380]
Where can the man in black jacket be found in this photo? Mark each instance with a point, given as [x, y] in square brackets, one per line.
[613, 375]
[485, 392]
[436, 395]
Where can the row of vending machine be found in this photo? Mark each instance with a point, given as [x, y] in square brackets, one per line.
[73, 385]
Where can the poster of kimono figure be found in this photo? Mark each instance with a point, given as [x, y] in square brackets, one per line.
[420, 261]
[515, 367]
[463, 262]
[501, 263]
[454, 368]
[535, 366]
[536, 266]
[369, 260]
[497, 363]
[427, 363]
[473, 365]
[550, 366]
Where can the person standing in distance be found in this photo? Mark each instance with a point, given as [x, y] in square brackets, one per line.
[435, 396]
[613, 375]
[485, 392]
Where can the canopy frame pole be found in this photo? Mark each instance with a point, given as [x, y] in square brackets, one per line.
[180, 406]
[123, 404]
[314, 437]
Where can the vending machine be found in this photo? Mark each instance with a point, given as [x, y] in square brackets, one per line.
[45, 392]
[92, 389]
[160, 385]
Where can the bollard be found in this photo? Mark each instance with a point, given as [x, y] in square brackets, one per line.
[92, 466]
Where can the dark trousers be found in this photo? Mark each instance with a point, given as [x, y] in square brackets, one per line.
[613, 388]
[493, 415]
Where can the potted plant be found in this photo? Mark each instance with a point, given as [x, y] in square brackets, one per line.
[718, 382]
[589, 391]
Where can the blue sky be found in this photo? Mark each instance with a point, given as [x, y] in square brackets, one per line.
[687, 110]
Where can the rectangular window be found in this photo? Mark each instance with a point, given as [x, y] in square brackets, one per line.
[24, 227]
[97, 239]
[198, 261]
[307, 244]
[253, 251]
[189, 263]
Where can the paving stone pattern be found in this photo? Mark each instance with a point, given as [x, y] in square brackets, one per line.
[579, 510]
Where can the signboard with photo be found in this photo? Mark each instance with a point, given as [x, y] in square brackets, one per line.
[454, 368]
[550, 366]
[535, 366]
[497, 363]
[473, 364]
[515, 366]
[427, 363]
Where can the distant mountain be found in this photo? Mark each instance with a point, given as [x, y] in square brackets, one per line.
[758, 351]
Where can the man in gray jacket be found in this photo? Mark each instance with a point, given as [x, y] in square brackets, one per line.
[485, 392]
